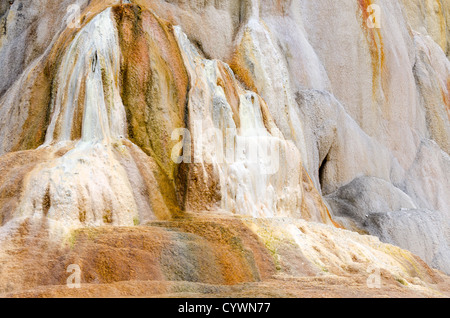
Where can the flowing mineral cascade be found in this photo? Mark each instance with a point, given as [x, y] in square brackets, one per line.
[272, 78]
[92, 57]
[251, 180]
[94, 50]
[236, 147]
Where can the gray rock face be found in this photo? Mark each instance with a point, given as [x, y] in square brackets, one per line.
[423, 232]
[365, 196]
[383, 210]
[27, 30]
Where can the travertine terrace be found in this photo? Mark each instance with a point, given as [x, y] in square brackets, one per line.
[225, 148]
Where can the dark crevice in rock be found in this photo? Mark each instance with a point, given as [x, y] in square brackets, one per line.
[322, 172]
[46, 202]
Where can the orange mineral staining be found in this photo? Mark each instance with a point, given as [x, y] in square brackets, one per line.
[375, 42]
[446, 97]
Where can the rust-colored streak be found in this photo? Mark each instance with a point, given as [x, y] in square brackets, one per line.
[35, 126]
[376, 45]
[314, 195]
[158, 190]
[364, 5]
[78, 113]
[227, 82]
[241, 70]
[446, 97]
[442, 25]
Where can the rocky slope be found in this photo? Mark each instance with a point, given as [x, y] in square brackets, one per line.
[225, 147]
